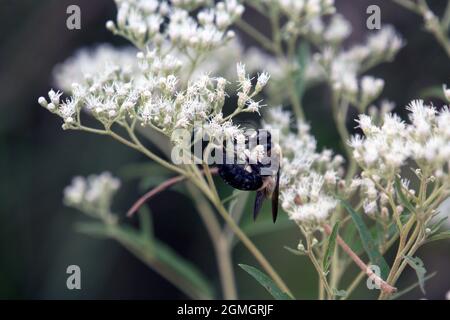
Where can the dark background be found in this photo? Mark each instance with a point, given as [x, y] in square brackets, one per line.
[38, 159]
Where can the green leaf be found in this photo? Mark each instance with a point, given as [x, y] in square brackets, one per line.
[183, 268]
[303, 56]
[330, 247]
[435, 227]
[401, 195]
[439, 236]
[433, 92]
[417, 264]
[149, 175]
[368, 242]
[411, 287]
[156, 253]
[146, 224]
[351, 239]
[267, 226]
[140, 170]
[94, 229]
[149, 182]
[266, 282]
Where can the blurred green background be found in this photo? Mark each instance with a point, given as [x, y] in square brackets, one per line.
[38, 159]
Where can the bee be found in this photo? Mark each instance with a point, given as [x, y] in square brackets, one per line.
[260, 176]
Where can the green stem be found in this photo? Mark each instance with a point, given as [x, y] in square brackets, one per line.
[436, 28]
[354, 284]
[214, 198]
[137, 146]
[264, 41]
[221, 245]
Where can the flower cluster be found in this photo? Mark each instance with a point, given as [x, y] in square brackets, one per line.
[333, 33]
[100, 62]
[148, 89]
[93, 194]
[309, 179]
[155, 22]
[299, 13]
[342, 68]
[388, 147]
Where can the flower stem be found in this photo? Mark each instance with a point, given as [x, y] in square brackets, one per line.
[253, 249]
[221, 245]
[385, 287]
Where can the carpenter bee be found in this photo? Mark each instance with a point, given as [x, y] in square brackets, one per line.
[256, 174]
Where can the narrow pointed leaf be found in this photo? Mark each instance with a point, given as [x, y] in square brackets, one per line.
[435, 228]
[330, 247]
[266, 282]
[417, 264]
[162, 254]
[368, 242]
[304, 56]
[266, 226]
[411, 287]
[439, 236]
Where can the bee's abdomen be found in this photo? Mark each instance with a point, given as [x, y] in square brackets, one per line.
[239, 178]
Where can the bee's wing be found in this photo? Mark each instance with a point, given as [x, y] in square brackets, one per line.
[275, 195]
[260, 196]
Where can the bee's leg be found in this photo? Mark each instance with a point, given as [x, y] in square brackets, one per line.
[264, 185]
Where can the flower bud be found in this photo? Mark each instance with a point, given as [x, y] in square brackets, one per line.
[110, 26]
[43, 102]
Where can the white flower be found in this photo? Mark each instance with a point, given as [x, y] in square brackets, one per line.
[74, 193]
[241, 72]
[92, 190]
[95, 62]
[338, 30]
[385, 42]
[263, 78]
[307, 176]
[54, 96]
[253, 106]
[371, 88]
[278, 119]
[387, 147]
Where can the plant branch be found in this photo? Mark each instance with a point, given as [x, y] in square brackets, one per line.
[263, 40]
[163, 186]
[385, 287]
[221, 246]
